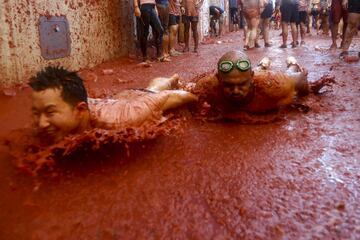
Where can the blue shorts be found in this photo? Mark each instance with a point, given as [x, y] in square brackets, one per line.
[173, 19]
[268, 11]
[289, 12]
[187, 19]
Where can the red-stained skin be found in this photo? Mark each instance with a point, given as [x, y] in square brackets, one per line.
[297, 178]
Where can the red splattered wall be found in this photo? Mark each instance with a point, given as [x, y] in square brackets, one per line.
[99, 31]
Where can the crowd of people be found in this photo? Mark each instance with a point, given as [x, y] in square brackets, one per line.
[342, 17]
[255, 17]
[164, 17]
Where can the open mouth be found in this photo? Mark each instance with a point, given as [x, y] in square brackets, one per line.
[237, 96]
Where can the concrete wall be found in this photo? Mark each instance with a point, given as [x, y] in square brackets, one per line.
[99, 30]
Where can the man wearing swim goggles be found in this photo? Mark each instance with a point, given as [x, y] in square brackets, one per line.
[236, 77]
[237, 88]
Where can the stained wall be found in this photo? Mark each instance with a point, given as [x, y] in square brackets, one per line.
[99, 30]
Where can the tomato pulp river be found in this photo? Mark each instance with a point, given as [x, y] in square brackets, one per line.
[296, 178]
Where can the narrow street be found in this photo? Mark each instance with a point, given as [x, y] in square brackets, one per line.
[296, 178]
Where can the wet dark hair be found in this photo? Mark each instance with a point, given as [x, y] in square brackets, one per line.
[72, 86]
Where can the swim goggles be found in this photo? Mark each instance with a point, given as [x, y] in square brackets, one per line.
[227, 66]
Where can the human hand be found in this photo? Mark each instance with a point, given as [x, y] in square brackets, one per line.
[137, 12]
[182, 10]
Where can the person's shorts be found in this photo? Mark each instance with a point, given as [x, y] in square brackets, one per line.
[163, 11]
[289, 12]
[187, 19]
[337, 12]
[302, 17]
[268, 11]
[173, 19]
[315, 12]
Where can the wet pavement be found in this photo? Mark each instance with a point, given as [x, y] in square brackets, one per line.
[297, 178]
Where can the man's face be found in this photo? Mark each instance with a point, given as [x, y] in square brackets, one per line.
[236, 85]
[52, 116]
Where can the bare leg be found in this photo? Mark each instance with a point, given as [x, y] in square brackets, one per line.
[266, 28]
[302, 32]
[172, 38]
[246, 30]
[284, 26]
[181, 30]
[353, 21]
[294, 34]
[308, 26]
[165, 45]
[254, 24]
[176, 98]
[325, 24]
[161, 84]
[247, 33]
[343, 25]
[194, 25]
[186, 35]
[212, 27]
[334, 32]
[317, 24]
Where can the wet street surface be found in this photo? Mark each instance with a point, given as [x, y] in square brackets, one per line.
[296, 178]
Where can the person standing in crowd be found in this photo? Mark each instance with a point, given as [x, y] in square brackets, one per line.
[190, 11]
[162, 7]
[353, 7]
[174, 18]
[265, 21]
[324, 16]
[303, 15]
[216, 16]
[289, 14]
[243, 23]
[234, 18]
[146, 15]
[337, 13]
[252, 10]
[315, 13]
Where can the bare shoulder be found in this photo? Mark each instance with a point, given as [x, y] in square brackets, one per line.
[273, 84]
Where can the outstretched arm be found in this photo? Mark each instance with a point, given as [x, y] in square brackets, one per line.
[161, 83]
